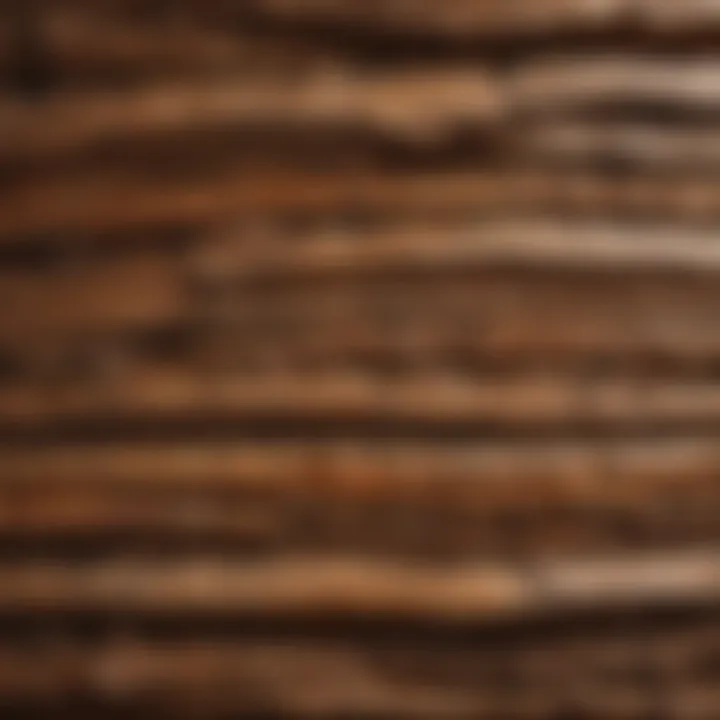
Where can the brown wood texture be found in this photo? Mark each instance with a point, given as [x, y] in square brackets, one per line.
[476, 18]
[387, 106]
[359, 360]
[309, 587]
[419, 399]
[405, 499]
[450, 290]
[389, 678]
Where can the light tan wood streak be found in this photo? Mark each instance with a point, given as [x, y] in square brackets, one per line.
[567, 143]
[303, 587]
[388, 104]
[533, 243]
[576, 82]
[352, 588]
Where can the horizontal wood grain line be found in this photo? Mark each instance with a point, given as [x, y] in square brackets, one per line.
[318, 678]
[410, 500]
[470, 18]
[95, 42]
[200, 679]
[96, 202]
[424, 106]
[479, 472]
[461, 18]
[524, 401]
[639, 145]
[91, 514]
[352, 588]
[391, 103]
[523, 243]
[601, 288]
[573, 82]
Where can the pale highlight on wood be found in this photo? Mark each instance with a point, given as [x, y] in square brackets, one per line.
[535, 243]
[641, 145]
[388, 105]
[345, 587]
[562, 84]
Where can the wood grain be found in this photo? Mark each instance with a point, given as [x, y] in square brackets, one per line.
[91, 203]
[378, 678]
[359, 359]
[307, 587]
[404, 499]
[425, 399]
[324, 101]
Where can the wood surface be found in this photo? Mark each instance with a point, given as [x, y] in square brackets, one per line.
[359, 360]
